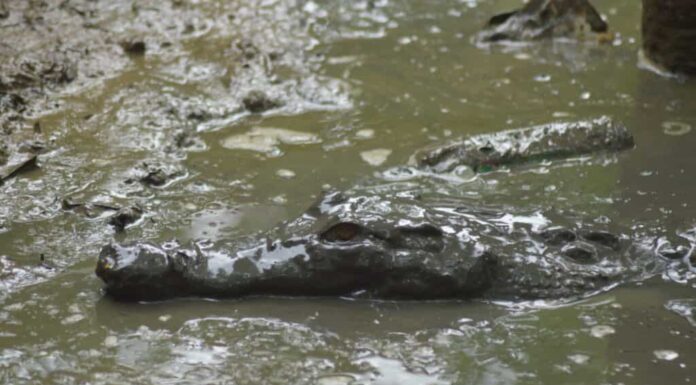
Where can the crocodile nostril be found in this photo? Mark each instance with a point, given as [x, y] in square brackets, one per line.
[581, 252]
[603, 238]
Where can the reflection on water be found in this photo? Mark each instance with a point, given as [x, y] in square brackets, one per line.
[352, 88]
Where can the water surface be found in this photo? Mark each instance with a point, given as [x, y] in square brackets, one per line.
[362, 85]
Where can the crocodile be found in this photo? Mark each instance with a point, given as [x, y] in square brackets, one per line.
[386, 247]
[408, 246]
[544, 19]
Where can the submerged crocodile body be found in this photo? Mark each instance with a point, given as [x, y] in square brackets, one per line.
[404, 245]
[543, 142]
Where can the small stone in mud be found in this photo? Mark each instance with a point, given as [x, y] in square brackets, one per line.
[125, 216]
[155, 177]
[45, 263]
[156, 174]
[134, 47]
[183, 139]
[198, 115]
[257, 102]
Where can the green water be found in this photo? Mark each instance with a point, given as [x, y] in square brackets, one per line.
[354, 77]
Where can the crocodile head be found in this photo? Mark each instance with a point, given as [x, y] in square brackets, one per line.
[385, 247]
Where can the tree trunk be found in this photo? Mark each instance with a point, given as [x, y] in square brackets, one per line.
[669, 34]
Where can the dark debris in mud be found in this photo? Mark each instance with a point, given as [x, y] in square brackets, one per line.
[258, 102]
[88, 210]
[119, 216]
[125, 217]
[134, 47]
[39, 69]
[156, 173]
[4, 12]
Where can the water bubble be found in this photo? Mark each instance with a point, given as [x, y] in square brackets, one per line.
[310, 7]
[75, 318]
[365, 134]
[375, 157]
[286, 174]
[405, 40]
[280, 200]
[111, 341]
[542, 78]
[666, 355]
[523, 56]
[601, 331]
[579, 359]
[676, 128]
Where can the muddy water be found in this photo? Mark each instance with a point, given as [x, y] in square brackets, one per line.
[356, 88]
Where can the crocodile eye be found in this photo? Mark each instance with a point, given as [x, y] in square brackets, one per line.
[342, 232]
